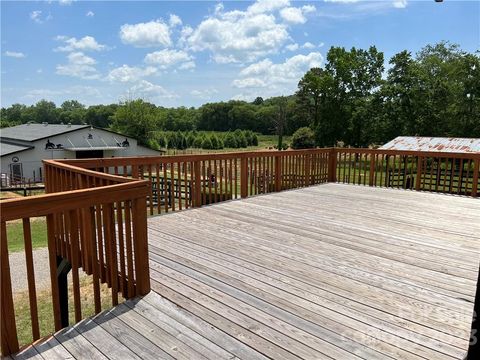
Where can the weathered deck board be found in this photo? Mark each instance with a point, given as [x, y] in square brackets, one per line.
[326, 272]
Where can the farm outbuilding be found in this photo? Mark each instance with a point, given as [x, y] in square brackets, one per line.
[23, 147]
[438, 172]
[443, 144]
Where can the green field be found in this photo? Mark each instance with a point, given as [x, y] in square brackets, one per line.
[15, 234]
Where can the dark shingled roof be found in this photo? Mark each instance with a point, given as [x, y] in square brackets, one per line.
[6, 149]
[32, 132]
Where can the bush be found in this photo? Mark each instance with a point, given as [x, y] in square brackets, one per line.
[197, 143]
[254, 139]
[230, 141]
[207, 143]
[162, 142]
[190, 139]
[303, 138]
[214, 140]
[241, 139]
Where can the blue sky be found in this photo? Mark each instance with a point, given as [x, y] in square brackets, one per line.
[187, 53]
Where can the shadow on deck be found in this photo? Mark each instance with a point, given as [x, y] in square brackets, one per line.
[332, 271]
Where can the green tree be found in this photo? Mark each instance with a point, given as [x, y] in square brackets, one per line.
[303, 138]
[135, 118]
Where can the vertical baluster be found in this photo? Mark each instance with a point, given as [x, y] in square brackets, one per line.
[128, 242]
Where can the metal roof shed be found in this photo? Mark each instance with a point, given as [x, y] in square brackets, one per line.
[432, 144]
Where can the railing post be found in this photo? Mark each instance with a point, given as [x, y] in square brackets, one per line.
[476, 169]
[418, 180]
[9, 339]
[372, 169]
[332, 165]
[243, 177]
[197, 188]
[52, 256]
[278, 172]
[140, 244]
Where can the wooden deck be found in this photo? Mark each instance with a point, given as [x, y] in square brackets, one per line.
[325, 272]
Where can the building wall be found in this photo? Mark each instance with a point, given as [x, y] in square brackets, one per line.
[31, 159]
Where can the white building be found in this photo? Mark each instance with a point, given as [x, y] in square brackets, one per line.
[23, 147]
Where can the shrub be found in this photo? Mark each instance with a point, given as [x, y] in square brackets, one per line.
[230, 141]
[303, 138]
[207, 143]
[254, 139]
[214, 140]
[197, 143]
[162, 142]
[190, 139]
[241, 140]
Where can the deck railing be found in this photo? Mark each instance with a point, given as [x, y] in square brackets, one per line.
[96, 209]
[95, 222]
[452, 173]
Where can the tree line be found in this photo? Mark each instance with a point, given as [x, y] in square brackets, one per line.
[356, 99]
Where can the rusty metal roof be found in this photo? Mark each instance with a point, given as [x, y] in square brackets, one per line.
[418, 143]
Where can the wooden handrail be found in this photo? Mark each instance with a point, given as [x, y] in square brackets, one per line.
[85, 212]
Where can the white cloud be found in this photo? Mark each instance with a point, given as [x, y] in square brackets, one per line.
[236, 37]
[293, 15]
[400, 4]
[36, 16]
[147, 90]
[263, 6]
[308, 45]
[87, 43]
[153, 33]
[275, 79]
[79, 65]
[65, 2]
[14, 54]
[292, 47]
[167, 58]
[174, 20]
[245, 36]
[204, 94]
[90, 13]
[127, 73]
[189, 65]
[77, 91]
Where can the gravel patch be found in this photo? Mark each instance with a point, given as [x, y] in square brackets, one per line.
[18, 270]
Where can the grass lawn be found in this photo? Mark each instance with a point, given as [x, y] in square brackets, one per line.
[15, 234]
[45, 312]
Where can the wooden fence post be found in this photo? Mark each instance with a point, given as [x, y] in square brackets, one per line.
[140, 244]
[372, 169]
[278, 173]
[307, 170]
[243, 177]
[197, 188]
[9, 339]
[332, 165]
[418, 180]
[476, 169]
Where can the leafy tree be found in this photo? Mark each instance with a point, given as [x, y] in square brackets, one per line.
[135, 118]
[303, 138]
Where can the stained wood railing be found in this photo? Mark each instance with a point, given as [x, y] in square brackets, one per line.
[452, 173]
[180, 182]
[96, 209]
[96, 223]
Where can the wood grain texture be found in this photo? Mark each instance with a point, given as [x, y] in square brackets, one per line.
[324, 272]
